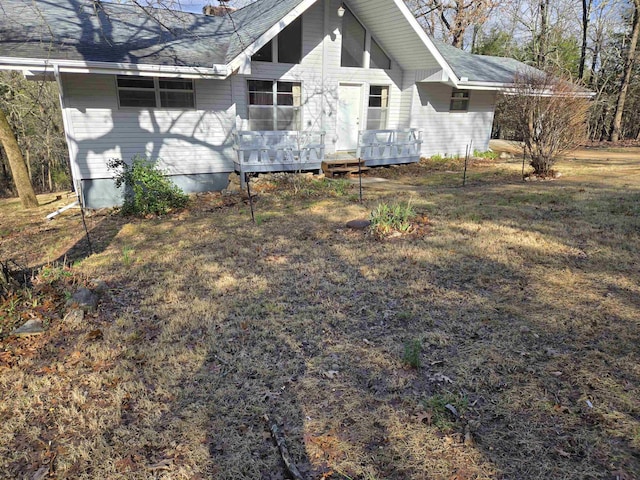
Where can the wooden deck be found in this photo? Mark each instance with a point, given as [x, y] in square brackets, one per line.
[292, 151]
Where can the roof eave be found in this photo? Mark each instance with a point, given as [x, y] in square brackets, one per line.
[79, 66]
[427, 41]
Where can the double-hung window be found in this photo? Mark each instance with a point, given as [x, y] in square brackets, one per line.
[153, 92]
[274, 105]
[459, 101]
[378, 107]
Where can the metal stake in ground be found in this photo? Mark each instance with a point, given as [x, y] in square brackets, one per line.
[466, 159]
[248, 181]
[360, 177]
[84, 221]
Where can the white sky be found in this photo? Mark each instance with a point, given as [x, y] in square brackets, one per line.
[196, 5]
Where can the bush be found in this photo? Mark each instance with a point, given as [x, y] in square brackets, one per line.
[147, 190]
[387, 218]
[549, 114]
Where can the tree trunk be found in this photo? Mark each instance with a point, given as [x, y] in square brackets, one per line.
[543, 40]
[586, 9]
[628, 68]
[17, 165]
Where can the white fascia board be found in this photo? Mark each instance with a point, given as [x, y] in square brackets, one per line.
[426, 40]
[78, 66]
[484, 86]
[266, 37]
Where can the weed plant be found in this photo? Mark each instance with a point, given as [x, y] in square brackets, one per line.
[412, 352]
[387, 218]
[147, 190]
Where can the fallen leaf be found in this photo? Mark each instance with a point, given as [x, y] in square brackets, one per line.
[95, 335]
[330, 374]
[421, 417]
[125, 464]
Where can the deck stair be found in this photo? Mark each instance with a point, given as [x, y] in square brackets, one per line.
[343, 164]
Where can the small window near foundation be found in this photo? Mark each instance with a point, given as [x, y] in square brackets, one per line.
[459, 101]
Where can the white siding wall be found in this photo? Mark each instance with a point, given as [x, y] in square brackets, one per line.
[445, 132]
[184, 141]
[200, 140]
[320, 80]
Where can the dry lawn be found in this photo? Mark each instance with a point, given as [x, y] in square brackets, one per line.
[523, 298]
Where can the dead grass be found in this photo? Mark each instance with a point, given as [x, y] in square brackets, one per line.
[524, 298]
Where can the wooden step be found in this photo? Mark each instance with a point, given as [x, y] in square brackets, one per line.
[344, 161]
[346, 165]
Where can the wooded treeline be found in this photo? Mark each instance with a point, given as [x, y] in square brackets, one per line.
[33, 111]
[592, 42]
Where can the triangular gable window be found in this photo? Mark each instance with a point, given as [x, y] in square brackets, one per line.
[285, 48]
[355, 40]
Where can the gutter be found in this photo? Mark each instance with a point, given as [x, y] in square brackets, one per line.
[79, 66]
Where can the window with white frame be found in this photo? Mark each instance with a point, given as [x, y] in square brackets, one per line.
[459, 101]
[285, 48]
[274, 105]
[355, 39]
[153, 92]
[378, 107]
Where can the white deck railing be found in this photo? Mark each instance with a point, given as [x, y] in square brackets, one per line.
[278, 151]
[388, 147]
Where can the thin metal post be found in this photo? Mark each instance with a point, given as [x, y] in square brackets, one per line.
[248, 181]
[466, 159]
[360, 176]
[80, 194]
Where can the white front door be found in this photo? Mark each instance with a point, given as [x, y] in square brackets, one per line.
[349, 112]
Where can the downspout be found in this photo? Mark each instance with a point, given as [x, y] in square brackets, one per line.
[66, 123]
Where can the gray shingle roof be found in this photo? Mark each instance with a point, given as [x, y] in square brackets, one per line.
[105, 32]
[481, 68]
[108, 32]
[116, 33]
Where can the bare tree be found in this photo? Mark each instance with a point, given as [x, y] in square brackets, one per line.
[626, 75]
[586, 12]
[16, 163]
[550, 115]
[452, 18]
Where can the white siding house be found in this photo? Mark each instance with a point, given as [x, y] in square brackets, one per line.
[181, 89]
